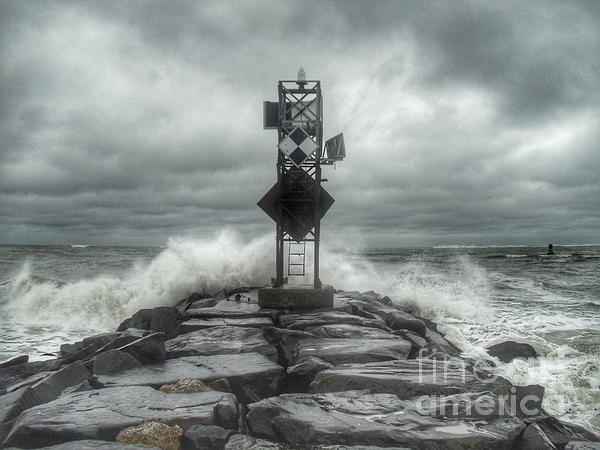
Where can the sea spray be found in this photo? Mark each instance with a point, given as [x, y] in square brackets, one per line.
[185, 266]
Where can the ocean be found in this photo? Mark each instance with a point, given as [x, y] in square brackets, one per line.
[478, 295]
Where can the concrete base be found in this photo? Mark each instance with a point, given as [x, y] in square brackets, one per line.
[295, 297]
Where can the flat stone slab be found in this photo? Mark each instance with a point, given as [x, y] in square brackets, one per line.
[200, 324]
[245, 442]
[252, 376]
[291, 297]
[406, 379]
[361, 419]
[220, 341]
[101, 414]
[230, 309]
[347, 351]
[89, 444]
[345, 331]
[303, 321]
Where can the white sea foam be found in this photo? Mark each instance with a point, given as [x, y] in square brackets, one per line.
[185, 266]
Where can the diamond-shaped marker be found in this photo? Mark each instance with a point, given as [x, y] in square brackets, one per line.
[297, 146]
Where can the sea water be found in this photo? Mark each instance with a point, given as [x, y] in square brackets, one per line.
[478, 295]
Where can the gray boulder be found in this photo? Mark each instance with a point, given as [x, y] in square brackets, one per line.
[230, 309]
[165, 319]
[220, 340]
[42, 391]
[344, 331]
[112, 361]
[252, 376]
[406, 379]
[346, 351]
[304, 321]
[199, 324]
[396, 319]
[54, 384]
[205, 437]
[101, 414]
[509, 350]
[286, 341]
[14, 361]
[149, 349]
[245, 442]
[533, 438]
[582, 445]
[142, 319]
[16, 373]
[560, 433]
[88, 444]
[361, 419]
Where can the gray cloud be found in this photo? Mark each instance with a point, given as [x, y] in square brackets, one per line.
[466, 122]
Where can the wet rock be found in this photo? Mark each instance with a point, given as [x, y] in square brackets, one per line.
[100, 339]
[88, 444]
[396, 319]
[185, 387]
[347, 351]
[560, 433]
[71, 349]
[200, 324]
[436, 344]
[344, 331]
[509, 350]
[406, 379]
[149, 349]
[245, 442]
[52, 386]
[357, 418]
[533, 438]
[221, 385]
[416, 341]
[14, 361]
[252, 376]
[230, 309]
[156, 434]
[165, 319]
[220, 341]
[309, 366]
[200, 300]
[304, 321]
[113, 361]
[124, 324]
[300, 375]
[13, 374]
[126, 337]
[205, 437]
[286, 341]
[102, 414]
[142, 319]
[529, 400]
[70, 378]
[293, 297]
[14, 403]
[582, 445]
[87, 347]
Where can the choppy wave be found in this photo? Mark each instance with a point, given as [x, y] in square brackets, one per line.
[185, 266]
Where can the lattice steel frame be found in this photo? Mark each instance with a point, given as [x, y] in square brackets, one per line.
[300, 103]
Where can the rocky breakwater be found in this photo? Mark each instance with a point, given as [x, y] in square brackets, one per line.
[220, 372]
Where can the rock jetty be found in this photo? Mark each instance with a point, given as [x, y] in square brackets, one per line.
[222, 373]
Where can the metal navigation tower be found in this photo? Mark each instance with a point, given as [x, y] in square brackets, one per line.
[297, 201]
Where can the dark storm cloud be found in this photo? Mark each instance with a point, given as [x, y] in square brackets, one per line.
[466, 122]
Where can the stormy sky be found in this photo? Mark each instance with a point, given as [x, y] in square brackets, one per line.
[126, 122]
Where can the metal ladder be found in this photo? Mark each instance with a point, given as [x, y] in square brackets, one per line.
[296, 259]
